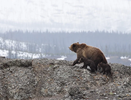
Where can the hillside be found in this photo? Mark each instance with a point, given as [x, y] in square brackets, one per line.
[22, 50]
[48, 79]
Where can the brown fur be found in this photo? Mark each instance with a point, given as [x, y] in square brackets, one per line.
[88, 62]
[89, 52]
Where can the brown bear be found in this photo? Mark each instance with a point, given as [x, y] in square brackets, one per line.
[106, 68]
[89, 52]
[88, 62]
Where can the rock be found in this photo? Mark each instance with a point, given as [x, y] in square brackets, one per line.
[50, 79]
[75, 93]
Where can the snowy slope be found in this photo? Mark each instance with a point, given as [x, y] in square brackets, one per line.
[11, 44]
[15, 49]
[20, 54]
[23, 50]
[70, 15]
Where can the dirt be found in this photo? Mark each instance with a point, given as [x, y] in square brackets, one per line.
[50, 79]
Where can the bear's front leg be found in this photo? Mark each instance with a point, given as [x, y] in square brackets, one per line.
[75, 62]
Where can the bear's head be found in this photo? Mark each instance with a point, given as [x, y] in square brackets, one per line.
[74, 47]
[99, 65]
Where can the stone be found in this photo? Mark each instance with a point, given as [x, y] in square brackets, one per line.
[50, 79]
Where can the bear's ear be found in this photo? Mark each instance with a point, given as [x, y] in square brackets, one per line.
[74, 45]
[77, 42]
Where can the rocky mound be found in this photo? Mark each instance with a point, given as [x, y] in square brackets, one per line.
[47, 79]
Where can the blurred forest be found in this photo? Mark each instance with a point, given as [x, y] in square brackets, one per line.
[57, 43]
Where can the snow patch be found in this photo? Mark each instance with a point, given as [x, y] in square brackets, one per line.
[4, 53]
[35, 56]
[107, 58]
[62, 58]
[123, 57]
[129, 59]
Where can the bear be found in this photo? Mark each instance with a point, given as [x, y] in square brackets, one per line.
[88, 62]
[89, 52]
[106, 69]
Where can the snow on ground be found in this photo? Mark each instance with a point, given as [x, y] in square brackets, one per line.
[8, 47]
[23, 45]
[35, 56]
[11, 44]
[124, 57]
[129, 59]
[4, 53]
[107, 58]
[20, 54]
[62, 58]
[24, 54]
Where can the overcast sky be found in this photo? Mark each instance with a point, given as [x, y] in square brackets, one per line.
[66, 15]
